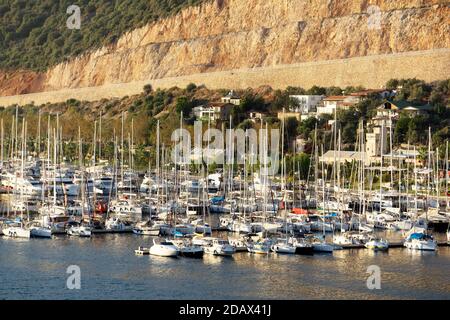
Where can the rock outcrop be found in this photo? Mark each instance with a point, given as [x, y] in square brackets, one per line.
[224, 35]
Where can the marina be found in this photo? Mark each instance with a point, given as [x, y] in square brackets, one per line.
[224, 216]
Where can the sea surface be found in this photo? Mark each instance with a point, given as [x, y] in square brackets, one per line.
[37, 269]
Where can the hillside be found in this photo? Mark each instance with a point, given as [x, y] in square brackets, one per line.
[261, 42]
[144, 109]
[34, 36]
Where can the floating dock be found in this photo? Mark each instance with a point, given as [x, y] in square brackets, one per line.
[392, 245]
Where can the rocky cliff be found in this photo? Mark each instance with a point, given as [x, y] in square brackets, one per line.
[225, 35]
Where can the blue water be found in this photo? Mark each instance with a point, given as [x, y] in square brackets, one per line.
[36, 269]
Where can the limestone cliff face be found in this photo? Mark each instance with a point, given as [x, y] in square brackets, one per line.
[234, 34]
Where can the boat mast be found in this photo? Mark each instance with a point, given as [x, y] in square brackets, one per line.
[381, 164]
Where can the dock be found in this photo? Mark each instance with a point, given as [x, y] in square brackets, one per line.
[392, 245]
[101, 231]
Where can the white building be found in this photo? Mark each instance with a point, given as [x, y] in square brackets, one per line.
[373, 142]
[306, 103]
[214, 111]
[332, 103]
[232, 98]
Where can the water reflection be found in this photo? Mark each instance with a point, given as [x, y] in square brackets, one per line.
[36, 269]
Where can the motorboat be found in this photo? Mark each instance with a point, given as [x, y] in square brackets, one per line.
[239, 244]
[420, 241]
[146, 228]
[141, 251]
[164, 249]
[283, 246]
[320, 245]
[117, 225]
[218, 247]
[259, 247]
[302, 246]
[377, 244]
[188, 250]
[80, 231]
[349, 238]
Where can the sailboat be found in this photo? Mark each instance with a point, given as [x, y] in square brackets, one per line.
[80, 229]
[38, 230]
[18, 229]
[283, 245]
[418, 238]
[263, 245]
[319, 243]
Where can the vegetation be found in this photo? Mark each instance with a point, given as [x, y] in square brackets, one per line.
[34, 34]
[146, 109]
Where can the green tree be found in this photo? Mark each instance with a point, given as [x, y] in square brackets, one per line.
[184, 105]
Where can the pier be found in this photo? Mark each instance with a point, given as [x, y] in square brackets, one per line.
[392, 245]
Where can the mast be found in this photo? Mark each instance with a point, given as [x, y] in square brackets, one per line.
[95, 142]
[1, 146]
[381, 165]
[38, 148]
[100, 137]
[446, 175]
[122, 149]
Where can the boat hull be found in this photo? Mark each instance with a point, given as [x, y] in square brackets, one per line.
[163, 251]
[15, 232]
[41, 233]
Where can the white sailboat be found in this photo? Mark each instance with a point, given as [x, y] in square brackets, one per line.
[283, 245]
[16, 231]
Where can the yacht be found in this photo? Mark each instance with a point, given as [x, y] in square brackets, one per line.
[259, 247]
[420, 241]
[80, 231]
[349, 238]
[188, 250]
[146, 228]
[377, 244]
[125, 207]
[302, 246]
[16, 230]
[141, 251]
[283, 246]
[164, 249]
[320, 245]
[117, 225]
[218, 247]
[239, 244]
[38, 231]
